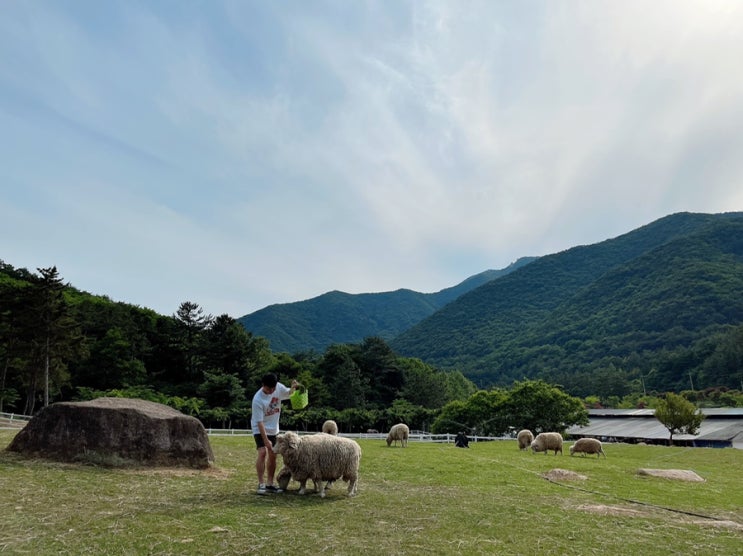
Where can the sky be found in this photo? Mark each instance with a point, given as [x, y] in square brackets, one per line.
[238, 154]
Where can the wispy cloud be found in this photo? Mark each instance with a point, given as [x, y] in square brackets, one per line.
[243, 153]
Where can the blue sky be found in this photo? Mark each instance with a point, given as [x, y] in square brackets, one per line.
[243, 153]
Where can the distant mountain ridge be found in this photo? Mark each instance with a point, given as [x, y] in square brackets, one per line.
[630, 302]
[338, 318]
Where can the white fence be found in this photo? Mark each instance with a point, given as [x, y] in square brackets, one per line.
[16, 421]
[13, 420]
[414, 437]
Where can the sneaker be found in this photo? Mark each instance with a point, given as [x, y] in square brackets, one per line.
[274, 489]
[261, 489]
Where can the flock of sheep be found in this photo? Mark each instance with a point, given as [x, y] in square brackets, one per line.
[548, 441]
[326, 457]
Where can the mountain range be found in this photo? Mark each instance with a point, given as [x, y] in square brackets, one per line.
[342, 318]
[635, 302]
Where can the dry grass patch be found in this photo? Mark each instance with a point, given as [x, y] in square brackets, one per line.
[724, 524]
[673, 474]
[210, 472]
[563, 475]
[611, 510]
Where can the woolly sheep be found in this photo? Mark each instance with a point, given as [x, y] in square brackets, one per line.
[330, 427]
[399, 432]
[525, 438]
[320, 457]
[587, 446]
[546, 441]
[285, 476]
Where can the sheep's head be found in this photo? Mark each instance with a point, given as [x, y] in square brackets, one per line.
[286, 442]
[389, 440]
[572, 448]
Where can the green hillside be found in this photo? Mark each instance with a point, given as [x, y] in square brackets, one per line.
[339, 318]
[637, 304]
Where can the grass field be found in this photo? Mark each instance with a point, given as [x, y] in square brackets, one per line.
[424, 499]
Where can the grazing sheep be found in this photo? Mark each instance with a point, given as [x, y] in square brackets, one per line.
[525, 438]
[546, 441]
[399, 432]
[283, 478]
[320, 457]
[330, 427]
[587, 446]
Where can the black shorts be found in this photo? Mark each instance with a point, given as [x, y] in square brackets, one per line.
[259, 440]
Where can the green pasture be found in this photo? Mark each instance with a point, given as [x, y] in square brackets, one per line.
[423, 499]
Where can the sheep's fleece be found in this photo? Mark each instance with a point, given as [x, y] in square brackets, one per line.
[399, 432]
[330, 427]
[525, 437]
[546, 441]
[587, 446]
[320, 457]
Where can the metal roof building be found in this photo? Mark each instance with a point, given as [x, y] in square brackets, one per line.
[721, 428]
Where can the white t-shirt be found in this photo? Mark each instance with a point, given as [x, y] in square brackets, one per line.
[267, 408]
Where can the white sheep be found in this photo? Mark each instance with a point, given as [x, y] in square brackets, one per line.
[330, 427]
[319, 457]
[587, 446]
[546, 441]
[399, 432]
[525, 437]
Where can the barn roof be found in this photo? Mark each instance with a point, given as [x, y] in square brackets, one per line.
[720, 425]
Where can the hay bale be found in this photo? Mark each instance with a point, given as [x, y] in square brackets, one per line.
[115, 431]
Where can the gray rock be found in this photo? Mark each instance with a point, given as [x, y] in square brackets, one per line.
[116, 431]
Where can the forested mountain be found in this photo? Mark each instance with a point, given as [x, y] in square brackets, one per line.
[661, 305]
[339, 318]
[657, 309]
[58, 343]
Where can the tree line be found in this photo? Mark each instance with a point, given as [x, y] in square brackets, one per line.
[59, 344]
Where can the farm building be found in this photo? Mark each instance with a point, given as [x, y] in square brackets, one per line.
[721, 428]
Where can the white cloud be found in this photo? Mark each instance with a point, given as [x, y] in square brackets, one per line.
[238, 154]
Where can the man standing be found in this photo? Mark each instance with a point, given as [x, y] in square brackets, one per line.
[264, 422]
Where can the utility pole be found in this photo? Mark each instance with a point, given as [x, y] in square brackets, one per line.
[690, 382]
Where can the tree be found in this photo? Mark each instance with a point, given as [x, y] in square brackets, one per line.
[378, 365]
[191, 322]
[56, 338]
[13, 337]
[343, 377]
[542, 407]
[480, 414]
[423, 385]
[678, 415]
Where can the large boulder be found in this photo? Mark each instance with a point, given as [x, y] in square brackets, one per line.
[116, 431]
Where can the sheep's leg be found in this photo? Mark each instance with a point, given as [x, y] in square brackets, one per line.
[352, 486]
[302, 485]
[322, 489]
